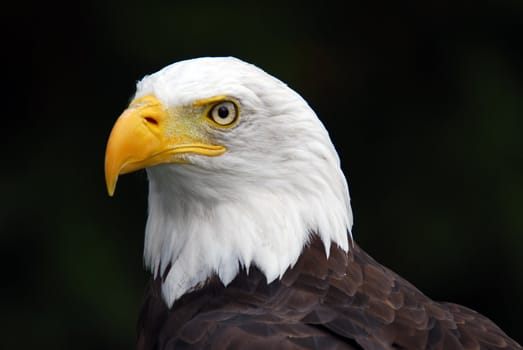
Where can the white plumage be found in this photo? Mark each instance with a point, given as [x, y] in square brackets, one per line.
[257, 204]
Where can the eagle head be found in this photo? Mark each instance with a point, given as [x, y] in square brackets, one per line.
[241, 172]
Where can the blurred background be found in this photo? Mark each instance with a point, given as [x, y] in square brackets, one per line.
[423, 100]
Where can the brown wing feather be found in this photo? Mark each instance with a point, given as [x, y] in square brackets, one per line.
[344, 302]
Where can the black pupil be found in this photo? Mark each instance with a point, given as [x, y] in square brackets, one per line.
[223, 112]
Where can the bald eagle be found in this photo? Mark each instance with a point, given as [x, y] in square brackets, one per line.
[248, 236]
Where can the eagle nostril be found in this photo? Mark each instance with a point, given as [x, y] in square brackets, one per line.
[151, 120]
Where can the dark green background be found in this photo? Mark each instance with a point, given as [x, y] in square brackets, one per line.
[423, 99]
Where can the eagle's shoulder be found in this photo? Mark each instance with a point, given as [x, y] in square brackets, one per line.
[346, 301]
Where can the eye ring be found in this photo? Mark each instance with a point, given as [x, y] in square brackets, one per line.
[224, 113]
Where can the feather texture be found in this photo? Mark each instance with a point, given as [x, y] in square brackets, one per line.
[341, 302]
[257, 203]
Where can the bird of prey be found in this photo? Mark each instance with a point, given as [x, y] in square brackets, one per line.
[248, 236]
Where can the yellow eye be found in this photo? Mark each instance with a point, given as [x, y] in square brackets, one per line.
[224, 113]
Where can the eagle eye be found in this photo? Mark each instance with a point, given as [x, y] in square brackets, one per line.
[224, 113]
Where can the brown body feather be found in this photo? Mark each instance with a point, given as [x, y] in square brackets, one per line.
[348, 301]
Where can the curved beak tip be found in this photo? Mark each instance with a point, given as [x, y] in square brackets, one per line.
[110, 182]
[111, 171]
[110, 190]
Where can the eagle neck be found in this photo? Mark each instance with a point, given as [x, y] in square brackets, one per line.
[193, 234]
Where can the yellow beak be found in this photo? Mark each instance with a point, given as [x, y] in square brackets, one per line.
[146, 134]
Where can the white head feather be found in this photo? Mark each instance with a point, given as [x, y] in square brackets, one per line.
[257, 204]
